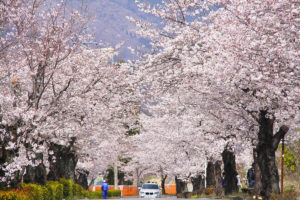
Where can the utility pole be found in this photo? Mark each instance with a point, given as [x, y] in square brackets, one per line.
[282, 164]
[116, 175]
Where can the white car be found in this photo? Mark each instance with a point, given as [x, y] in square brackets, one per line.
[150, 190]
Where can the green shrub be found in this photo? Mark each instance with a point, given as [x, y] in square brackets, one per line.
[36, 192]
[14, 195]
[91, 195]
[59, 192]
[73, 189]
[95, 195]
[99, 194]
[7, 196]
[85, 193]
[78, 191]
[68, 188]
[114, 193]
[46, 194]
[54, 190]
[51, 190]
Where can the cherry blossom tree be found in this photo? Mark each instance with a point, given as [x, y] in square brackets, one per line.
[56, 90]
[263, 43]
[35, 39]
[238, 59]
[168, 146]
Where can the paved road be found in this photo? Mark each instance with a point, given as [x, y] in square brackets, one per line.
[168, 198]
[163, 198]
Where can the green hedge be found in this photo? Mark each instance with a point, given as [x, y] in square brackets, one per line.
[14, 195]
[79, 191]
[99, 194]
[94, 195]
[68, 188]
[54, 190]
[114, 193]
[36, 192]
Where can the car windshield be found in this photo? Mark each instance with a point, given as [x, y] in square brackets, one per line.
[150, 186]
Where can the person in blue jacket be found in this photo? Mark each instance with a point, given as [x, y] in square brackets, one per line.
[104, 189]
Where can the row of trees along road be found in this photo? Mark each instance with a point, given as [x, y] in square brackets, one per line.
[226, 73]
[223, 76]
[61, 102]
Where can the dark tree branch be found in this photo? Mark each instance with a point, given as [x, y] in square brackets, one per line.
[279, 135]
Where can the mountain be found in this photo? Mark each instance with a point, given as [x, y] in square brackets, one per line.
[109, 23]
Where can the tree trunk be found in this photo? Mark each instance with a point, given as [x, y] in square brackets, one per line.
[267, 145]
[36, 174]
[92, 182]
[163, 180]
[198, 183]
[258, 184]
[64, 164]
[210, 175]
[218, 176]
[17, 181]
[121, 177]
[230, 171]
[137, 171]
[180, 185]
[7, 155]
[82, 178]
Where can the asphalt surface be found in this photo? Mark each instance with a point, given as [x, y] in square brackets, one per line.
[163, 198]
